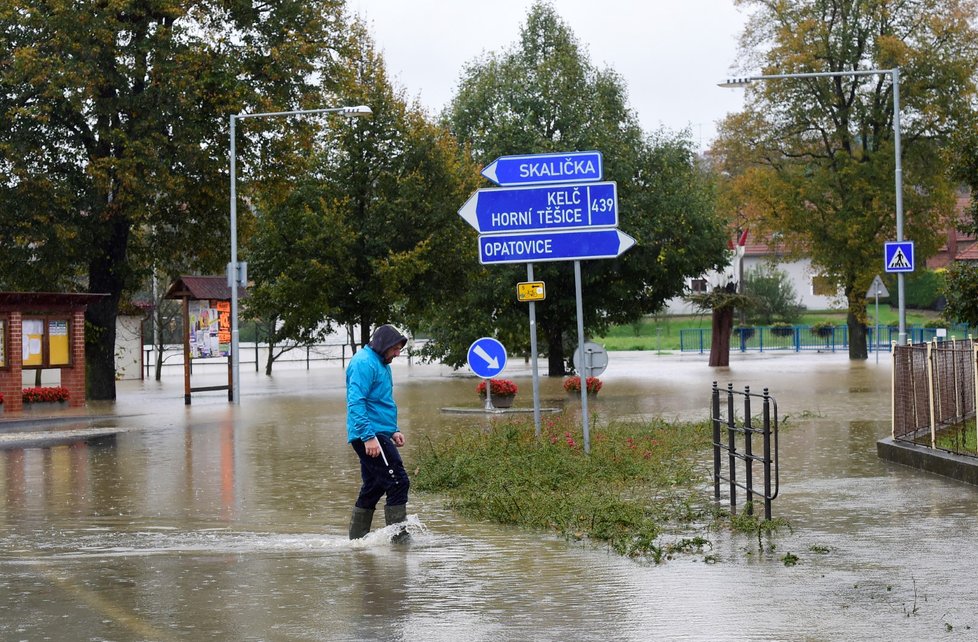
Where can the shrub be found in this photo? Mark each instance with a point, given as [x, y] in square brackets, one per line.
[782, 329]
[772, 296]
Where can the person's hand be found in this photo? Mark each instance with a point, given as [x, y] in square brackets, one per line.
[398, 439]
[372, 446]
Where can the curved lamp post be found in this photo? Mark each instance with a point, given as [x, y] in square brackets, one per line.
[895, 76]
[237, 276]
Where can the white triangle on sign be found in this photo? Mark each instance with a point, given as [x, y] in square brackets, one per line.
[898, 261]
[877, 288]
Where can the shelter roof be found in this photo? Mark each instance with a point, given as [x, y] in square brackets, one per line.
[47, 300]
[200, 288]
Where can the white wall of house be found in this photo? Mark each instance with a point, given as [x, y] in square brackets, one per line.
[800, 273]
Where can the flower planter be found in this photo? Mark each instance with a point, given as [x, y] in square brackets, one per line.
[501, 401]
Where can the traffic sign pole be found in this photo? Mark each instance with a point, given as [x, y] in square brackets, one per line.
[580, 342]
[533, 358]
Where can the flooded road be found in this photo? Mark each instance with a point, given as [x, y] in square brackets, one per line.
[229, 523]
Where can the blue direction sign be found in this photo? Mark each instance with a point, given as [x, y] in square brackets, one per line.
[553, 246]
[536, 169]
[554, 207]
[898, 256]
[487, 357]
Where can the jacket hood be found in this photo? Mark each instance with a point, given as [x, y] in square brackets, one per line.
[384, 338]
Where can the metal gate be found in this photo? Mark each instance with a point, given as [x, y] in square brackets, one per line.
[740, 444]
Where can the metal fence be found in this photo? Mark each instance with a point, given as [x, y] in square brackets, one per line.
[934, 395]
[801, 338]
[739, 439]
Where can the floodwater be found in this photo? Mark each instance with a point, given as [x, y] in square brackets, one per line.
[229, 523]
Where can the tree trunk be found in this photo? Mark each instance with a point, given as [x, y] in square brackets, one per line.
[270, 359]
[106, 275]
[720, 336]
[364, 332]
[555, 353]
[100, 348]
[857, 337]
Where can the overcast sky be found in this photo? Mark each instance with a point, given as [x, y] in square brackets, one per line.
[671, 53]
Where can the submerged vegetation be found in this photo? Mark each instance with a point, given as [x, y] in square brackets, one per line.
[643, 490]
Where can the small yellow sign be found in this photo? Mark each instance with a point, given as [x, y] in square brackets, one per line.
[531, 291]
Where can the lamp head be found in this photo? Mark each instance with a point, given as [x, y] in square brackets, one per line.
[734, 83]
[358, 111]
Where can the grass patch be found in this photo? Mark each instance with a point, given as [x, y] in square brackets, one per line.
[641, 490]
[962, 438]
[661, 333]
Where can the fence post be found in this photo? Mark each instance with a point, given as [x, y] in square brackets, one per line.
[930, 394]
[748, 451]
[767, 455]
[732, 448]
[893, 375]
[716, 442]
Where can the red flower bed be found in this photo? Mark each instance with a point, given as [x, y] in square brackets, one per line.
[499, 388]
[573, 384]
[45, 395]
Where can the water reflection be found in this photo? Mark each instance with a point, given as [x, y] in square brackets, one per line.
[221, 522]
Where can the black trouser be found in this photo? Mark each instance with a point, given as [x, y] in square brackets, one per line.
[378, 477]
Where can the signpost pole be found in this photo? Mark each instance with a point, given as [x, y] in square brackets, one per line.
[877, 348]
[533, 357]
[580, 342]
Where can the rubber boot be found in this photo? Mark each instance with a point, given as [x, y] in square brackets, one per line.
[360, 523]
[396, 515]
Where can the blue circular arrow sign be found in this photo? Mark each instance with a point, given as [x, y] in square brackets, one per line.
[487, 357]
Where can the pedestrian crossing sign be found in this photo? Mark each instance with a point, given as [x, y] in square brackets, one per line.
[898, 256]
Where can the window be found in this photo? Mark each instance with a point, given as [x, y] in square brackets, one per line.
[698, 285]
[3, 343]
[45, 342]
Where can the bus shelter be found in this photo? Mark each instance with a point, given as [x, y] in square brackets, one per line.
[207, 326]
[39, 331]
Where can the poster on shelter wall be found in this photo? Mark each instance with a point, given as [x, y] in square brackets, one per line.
[58, 345]
[32, 336]
[210, 334]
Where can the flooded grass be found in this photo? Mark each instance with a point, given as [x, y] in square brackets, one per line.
[640, 482]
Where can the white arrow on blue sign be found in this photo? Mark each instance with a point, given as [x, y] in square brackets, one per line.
[553, 246]
[535, 169]
[487, 357]
[554, 207]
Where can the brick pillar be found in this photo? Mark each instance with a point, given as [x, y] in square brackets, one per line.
[10, 380]
[73, 377]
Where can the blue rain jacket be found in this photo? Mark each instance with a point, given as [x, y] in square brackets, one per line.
[370, 388]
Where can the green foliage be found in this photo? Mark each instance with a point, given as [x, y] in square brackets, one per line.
[773, 297]
[369, 233]
[961, 292]
[922, 289]
[813, 159]
[638, 482]
[544, 95]
[114, 145]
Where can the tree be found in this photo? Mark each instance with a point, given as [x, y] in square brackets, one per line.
[367, 233]
[114, 146]
[813, 159]
[772, 295]
[544, 95]
[961, 292]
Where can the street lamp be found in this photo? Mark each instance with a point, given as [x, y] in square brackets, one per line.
[235, 270]
[895, 76]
